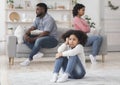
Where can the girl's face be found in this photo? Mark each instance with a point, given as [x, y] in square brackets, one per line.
[73, 41]
[81, 11]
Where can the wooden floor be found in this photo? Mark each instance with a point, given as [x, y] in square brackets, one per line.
[112, 61]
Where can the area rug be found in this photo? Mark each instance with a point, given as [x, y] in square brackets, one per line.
[100, 77]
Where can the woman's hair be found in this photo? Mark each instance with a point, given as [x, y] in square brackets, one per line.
[43, 5]
[76, 8]
[82, 37]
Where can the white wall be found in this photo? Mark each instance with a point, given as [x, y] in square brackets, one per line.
[2, 19]
[111, 20]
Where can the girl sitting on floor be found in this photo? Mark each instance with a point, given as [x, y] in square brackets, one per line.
[70, 57]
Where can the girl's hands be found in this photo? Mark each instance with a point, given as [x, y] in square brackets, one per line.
[66, 41]
[58, 55]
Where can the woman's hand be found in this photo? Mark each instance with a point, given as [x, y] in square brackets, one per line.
[58, 55]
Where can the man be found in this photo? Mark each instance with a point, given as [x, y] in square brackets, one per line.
[47, 36]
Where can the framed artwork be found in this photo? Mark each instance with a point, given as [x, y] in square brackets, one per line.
[28, 4]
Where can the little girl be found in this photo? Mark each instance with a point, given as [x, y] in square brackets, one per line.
[70, 57]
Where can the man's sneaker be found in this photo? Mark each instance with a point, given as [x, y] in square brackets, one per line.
[63, 78]
[38, 55]
[92, 59]
[25, 63]
[54, 78]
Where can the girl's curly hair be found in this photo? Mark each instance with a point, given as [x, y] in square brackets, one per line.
[76, 8]
[82, 37]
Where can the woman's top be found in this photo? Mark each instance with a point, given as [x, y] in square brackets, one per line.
[68, 51]
[81, 24]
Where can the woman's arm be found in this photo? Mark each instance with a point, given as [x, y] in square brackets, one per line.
[81, 24]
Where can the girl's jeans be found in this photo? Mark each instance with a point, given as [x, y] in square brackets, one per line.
[42, 42]
[72, 66]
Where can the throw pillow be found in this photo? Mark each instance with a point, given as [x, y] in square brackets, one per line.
[19, 33]
[36, 32]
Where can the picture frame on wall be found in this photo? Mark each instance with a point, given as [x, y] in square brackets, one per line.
[28, 4]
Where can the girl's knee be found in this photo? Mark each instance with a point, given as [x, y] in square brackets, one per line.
[80, 76]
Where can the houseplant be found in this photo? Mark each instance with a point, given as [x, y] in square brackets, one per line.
[91, 24]
[10, 3]
[74, 2]
[89, 21]
[10, 30]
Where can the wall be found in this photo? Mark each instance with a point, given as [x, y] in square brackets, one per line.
[2, 19]
[111, 20]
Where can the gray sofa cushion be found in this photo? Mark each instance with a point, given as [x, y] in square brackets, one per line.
[22, 48]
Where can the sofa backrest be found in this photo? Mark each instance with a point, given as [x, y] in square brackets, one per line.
[61, 31]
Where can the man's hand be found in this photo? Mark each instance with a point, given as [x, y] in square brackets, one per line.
[31, 40]
[58, 55]
[28, 39]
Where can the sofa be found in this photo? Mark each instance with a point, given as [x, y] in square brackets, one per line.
[21, 50]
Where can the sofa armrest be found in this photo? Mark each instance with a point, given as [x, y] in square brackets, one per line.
[103, 49]
[100, 32]
[11, 46]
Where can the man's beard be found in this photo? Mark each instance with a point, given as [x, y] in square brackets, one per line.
[39, 15]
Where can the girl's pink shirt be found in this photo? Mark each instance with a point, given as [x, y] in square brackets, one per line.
[81, 24]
